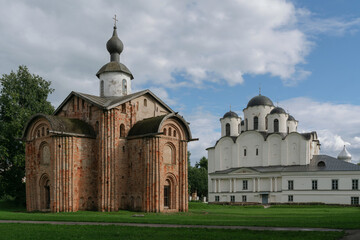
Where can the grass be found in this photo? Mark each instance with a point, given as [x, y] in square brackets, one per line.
[45, 231]
[320, 216]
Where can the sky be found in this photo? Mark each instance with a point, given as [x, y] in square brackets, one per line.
[201, 57]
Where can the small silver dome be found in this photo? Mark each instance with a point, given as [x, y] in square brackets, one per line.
[344, 155]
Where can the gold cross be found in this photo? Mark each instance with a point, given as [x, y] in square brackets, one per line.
[115, 20]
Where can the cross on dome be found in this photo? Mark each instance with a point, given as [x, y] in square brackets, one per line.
[115, 20]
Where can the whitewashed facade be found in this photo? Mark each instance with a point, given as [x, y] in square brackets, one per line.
[263, 159]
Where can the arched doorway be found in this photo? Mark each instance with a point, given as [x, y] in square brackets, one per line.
[170, 192]
[45, 192]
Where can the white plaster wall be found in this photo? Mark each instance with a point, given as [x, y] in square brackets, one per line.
[234, 126]
[211, 160]
[113, 84]
[261, 112]
[292, 126]
[293, 141]
[282, 122]
[275, 149]
[250, 140]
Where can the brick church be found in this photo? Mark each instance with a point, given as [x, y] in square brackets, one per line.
[119, 150]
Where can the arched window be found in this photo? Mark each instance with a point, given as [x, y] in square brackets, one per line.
[167, 194]
[246, 124]
[266, 123]
[256, 123]
[124, 86]
[169, 154]
[244, 152]
[165, 131]
[102, 88]
[174, 133]
[145, 103]
[276, 125]
[257, 152]
[170, 131]
[227, 126]
[122, 130]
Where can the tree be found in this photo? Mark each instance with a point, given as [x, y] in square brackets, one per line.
[198, 177]
[22, 94]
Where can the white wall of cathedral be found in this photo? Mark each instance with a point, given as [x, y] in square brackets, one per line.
[234, 126]
[114, 84]
[282, 118]
[292, 126]
[277, 186]
[256, 111]
[251, 150]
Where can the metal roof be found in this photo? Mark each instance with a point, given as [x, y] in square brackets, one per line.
[331, 164]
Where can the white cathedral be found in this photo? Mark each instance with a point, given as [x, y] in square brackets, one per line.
[263, 159]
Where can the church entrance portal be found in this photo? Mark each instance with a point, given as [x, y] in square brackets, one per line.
[167, 195]
[265, 198]
[44, 192]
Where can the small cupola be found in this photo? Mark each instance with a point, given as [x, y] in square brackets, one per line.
[344, 155]
[115, 78]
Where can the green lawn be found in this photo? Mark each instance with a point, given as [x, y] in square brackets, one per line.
[48, 232]
[203, 214]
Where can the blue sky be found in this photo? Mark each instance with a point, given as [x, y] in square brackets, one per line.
[203, 56]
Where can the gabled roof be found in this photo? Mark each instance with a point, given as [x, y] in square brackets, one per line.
[63, 126]
[151, 126]
[331, 164]
[108, 103]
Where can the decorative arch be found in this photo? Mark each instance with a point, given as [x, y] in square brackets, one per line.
[169, 153]
[44, 153]
[44, 184]
[170, 191]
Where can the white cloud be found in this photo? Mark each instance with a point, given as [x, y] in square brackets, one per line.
[336, 124]
[202, 40]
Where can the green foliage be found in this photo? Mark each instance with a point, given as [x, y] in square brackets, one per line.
[22, 94]
[198, 178]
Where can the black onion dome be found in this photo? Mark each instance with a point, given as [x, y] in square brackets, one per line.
[277, 110]
[260, 101]
[114, 45]
[230, 114]
[291, 118]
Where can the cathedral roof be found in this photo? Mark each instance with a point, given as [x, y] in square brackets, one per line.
[327, 164]
[107, 103]
[230, 114]
[277, 110]
[63, 126]
[291, 118]
[260, 100]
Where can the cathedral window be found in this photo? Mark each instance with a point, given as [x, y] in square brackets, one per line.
[145, 103]
[174, 133]
[47, 131]
[290, 198]
[165, 131]
[256, 123]
[169, 153]
[245, 152]
[334, 184]
[266, 123]
[43, 131]
[124, 85]
[355, 184]
[122, 130]
[257, 152]
[246, 124]
[217, 198]
[167, 194]
[290, 185]
[244, 198]
[245, 184]
[170, 131]
[276, 125]
[227, 129]
[354, 200]
[314, 184]
[232, 198]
